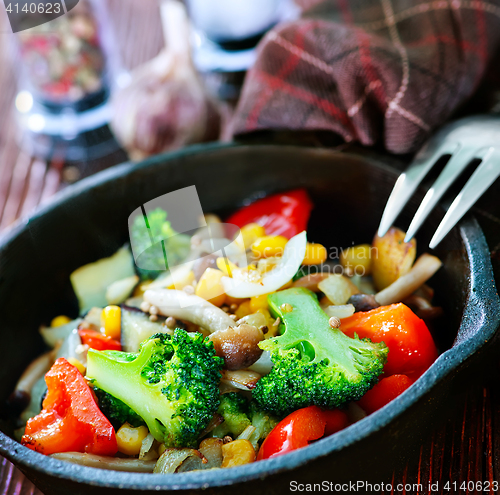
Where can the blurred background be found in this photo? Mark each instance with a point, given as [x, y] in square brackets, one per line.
[114, 80]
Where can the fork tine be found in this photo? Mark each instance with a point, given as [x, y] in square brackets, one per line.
[480, 181]
[408, 182]
[450, 173]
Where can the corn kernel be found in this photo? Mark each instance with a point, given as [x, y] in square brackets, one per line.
[250, 233]
[287, 285]
[141, 288]
[210, 287]
[226, 266]
[357, 259]
[234, 300]
[237, 453]
[77, 364]
[269, 245]
[129, 439]
[243, 310]
[162, 448]
[258, 302]
[111, 321]
[59, 321]
[315, 254]
[182, 281]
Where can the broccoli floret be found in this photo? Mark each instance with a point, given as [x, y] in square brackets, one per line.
[173, 384]
[153, 236]
[314, 363]
[233, 408]
[263, 422]
[116, 411]
[239, 414]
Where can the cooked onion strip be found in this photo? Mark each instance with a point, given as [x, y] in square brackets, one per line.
[423, 269]
[35, 371]
[103, 462]
[293, 256]
[171, 459]
[263, 365]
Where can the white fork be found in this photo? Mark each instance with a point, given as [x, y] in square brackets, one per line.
[476, 137]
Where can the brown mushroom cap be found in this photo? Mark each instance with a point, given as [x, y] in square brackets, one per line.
[238, 345]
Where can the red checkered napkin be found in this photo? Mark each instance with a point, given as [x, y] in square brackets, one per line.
[372, 71]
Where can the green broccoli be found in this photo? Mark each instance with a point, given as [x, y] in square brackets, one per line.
[263, 422]
[233, 408]
[148, 242]
[173, 384]
[116, 411]
[239, 414]
[314, 363]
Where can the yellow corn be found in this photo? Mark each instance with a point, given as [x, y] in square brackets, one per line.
[287, 285]
[111, 321]
[162, 448]
[237, 453]
[258, 302]
[141, 288]
[315, 254]
[269, 245]
[77, 364]
[226, 266]
[183, 281]
[250, 233]
[357, 259]
[129, 439]
[59, 321]
[234, 300]
[243, 310]
[210, 287]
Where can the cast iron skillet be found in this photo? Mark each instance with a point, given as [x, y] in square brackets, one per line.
[89, 221]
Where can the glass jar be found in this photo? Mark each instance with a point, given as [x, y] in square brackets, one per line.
[66, 71]
[226, 35]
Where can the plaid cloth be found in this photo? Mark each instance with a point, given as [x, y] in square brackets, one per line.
[372, 71]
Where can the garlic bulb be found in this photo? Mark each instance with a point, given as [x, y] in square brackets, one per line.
[166, 106]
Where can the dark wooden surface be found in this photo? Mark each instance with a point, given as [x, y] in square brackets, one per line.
[464, 447]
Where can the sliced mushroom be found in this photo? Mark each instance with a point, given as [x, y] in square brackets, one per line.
[363, 302]
[187, 307]
[241, 379]
[238, 346]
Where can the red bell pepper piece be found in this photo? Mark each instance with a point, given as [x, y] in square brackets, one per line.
[411, 347]
[283, 214]
[336, 420]
[299, 428]
[98, 341]
[70, 420]
[383, 392]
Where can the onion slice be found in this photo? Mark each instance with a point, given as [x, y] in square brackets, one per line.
[171, 459]
[103, 462]
[423, 269]
[293, 256]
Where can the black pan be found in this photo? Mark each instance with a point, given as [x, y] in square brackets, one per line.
[89, 220]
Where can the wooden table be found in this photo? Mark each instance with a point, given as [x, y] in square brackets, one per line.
[463, 447]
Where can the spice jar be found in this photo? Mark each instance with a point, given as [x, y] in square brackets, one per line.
[66, 71]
